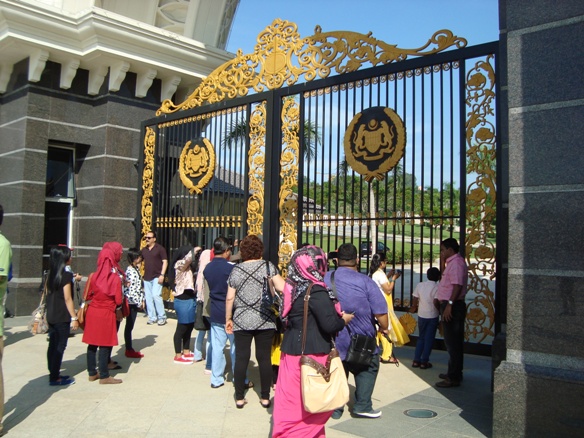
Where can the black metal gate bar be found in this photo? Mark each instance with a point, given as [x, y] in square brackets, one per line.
[462, 146]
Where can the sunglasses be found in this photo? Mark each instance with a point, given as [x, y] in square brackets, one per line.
[149, 237]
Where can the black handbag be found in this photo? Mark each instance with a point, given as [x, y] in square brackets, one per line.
[201, 322]
[270, 298]
[361, 350]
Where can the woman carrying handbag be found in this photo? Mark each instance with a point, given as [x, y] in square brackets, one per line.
[104, 313]
[324, 319]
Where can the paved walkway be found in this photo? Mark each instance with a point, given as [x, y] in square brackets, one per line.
[159, 398]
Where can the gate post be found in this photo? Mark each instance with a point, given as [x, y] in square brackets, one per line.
[271, 225]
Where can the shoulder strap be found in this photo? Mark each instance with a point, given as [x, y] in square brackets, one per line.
[87, 287]
[44, 294]
[305, 321]
[333, 284]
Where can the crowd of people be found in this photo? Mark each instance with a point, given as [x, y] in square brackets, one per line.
[224, 297]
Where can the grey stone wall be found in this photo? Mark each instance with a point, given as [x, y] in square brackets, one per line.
[105, 132]
[539, 388]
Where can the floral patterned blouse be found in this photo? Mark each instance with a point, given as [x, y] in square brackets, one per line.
[183, 279]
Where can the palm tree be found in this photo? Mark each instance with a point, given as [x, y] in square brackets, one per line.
[238, 132]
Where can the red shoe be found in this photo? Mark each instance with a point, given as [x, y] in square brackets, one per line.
[189, 356]
[134, 354]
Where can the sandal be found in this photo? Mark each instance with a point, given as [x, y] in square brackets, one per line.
[239, 404]
[415, 364]
[266, 404]
[425, 365]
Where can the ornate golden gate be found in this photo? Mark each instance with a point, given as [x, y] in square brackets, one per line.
[260, 147]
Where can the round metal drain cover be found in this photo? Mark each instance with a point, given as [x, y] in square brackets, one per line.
[420, 413]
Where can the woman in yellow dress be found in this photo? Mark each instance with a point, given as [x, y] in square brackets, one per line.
[397, 334]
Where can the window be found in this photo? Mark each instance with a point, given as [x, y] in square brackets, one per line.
[60, 173]
[60, 198]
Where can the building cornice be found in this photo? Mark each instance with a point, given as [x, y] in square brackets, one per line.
[95, 39]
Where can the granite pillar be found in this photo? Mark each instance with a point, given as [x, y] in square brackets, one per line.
[539, 387]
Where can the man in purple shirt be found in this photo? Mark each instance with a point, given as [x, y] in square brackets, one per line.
[451, 294]
[359, 295]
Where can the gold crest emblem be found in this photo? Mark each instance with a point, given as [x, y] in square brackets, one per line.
[197, 164]
[374, 142]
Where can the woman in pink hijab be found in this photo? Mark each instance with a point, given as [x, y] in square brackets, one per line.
[104, 298]
[306, 270]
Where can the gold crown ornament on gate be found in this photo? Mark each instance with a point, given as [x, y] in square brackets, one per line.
[197, 164]
[374, 142]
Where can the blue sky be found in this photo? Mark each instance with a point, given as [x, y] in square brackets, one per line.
[407, 23]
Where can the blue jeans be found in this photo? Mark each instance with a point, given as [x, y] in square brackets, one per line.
[100, 361]
[454, 339]
[364, 385]
[199, 347]
[154, 304]
[58, 337]
[219, 339]
[427, 328]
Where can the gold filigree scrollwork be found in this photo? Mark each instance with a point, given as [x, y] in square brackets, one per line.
[147, 182]
[287, 200]
[257, 169]
[281, 57]
[481, 195]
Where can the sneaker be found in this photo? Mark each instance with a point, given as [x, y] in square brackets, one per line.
[150, 322]
[62, 382]
[370, 414]
[162, 322]
[183, 361]
[336, 415]
[133, 354]
[189, 356]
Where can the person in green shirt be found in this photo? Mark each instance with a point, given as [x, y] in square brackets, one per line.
[5, 261]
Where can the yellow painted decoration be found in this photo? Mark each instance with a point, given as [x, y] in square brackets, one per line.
[257, 169]
[197, 164]
[287, 199]
[147, 183]
[281, 57]
[374, 142]
[481, 198]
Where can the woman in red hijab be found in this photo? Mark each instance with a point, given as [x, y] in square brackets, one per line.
[104, 297]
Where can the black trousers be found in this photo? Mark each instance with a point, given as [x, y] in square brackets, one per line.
[263, 347]
[58, 337]
[182, 336]
[454, 338]
[130, 321]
